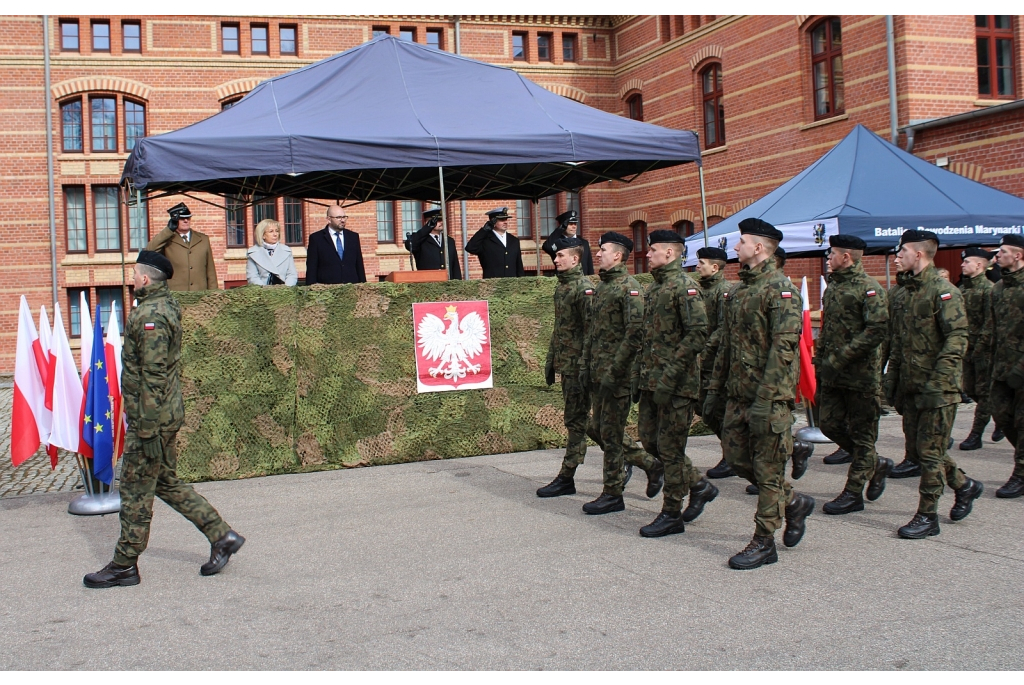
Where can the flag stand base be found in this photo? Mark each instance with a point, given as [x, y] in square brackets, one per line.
[95, 505]
[811, 434]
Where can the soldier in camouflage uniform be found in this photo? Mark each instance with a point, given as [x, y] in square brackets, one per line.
[609, 351]
[854, 323]
[675, 330]
[754, 379]
[155, 411]
[711, 267]
[897, 295]
[1006, 344]
[977, 292]
[923, 380]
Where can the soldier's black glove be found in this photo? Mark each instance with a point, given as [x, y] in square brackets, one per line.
[153, 448]
[708, 410]
[585, 376]
[549, 373]
[1016, 379]
[634, 389]
[760, 416]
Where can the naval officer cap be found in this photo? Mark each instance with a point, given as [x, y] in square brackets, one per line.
[850, 242]
[715, 253]
[180, 211]
[155, 260]
[431, 213]
[569, 217]
[754, 226]
[664, 236]
[618, 239]
[498, 214]
[566, 243]
[918, 236]
[977, 252]
[1013, 240]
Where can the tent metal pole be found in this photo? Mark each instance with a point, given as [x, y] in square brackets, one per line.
[703, 204]
[444, 222]
[462, 203]
[535, 229]
[888, 278]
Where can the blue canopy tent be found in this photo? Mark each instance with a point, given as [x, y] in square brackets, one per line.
[867, 187]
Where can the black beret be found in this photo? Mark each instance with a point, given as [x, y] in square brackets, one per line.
[754, 226]
[664, 236]
[618, 239]
[779, 252]
[155, 260]
[431, 213]
[977, 252]
[851, 242]
[569, 217]
[499, 213]
[180, 211]
[1013, 240]
[918, 236]
[713, 253]
[567, 242]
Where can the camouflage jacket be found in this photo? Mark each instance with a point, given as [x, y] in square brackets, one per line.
[566, 349]
[896, 294]
[675, 329]
[713, 289]
[977, 292]
[854, 324]
[929, 340]
[760, 337]
[1005, 344]
[150, 360]
[616, 316]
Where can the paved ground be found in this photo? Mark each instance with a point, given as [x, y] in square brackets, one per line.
[457, 565]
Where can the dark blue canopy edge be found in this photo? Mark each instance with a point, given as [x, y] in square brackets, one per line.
[376, 121]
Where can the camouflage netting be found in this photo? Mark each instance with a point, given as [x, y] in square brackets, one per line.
[284, 380]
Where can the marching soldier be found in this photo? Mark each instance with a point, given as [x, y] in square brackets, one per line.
[928, 344]
[155, 411]
[609, 352]
[897, 293]
[977, 292]
[854, 324]
[711, 267]
[568, 227]
[497, 249]
[428, 250]
[675, 330]
[754, 379]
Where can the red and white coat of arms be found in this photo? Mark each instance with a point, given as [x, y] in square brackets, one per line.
[453, 345]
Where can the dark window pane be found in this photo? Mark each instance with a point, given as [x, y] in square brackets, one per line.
[548, 211]
[74, 217]
[837, 82]
[229, 38]
[818, 39]
[259, 40]
[104, 124]
[568, 48]
[1002, 22]
[75, 309]
[544, 47]
[385, 222]
[518, 46]
[234, 216]
[108, 217]
[981, 21]
[71, 121]
[287, 40]
[821, 94]
[110, 297]
[709, 123]
[131, 37]
[229, 104]
[134, 123]
[636, 107]
[101, 37]
[293, 234]
[524, 219]
[263, 209]
[837, 35]
[411, 214]
[69, 35]
[138, 225]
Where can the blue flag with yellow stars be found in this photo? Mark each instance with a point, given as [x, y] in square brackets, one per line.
[98, 428]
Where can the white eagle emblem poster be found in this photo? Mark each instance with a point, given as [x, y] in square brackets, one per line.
[453, 345]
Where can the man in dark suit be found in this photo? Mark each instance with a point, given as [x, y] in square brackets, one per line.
[427, 248]
[334, 255]
[497, 249]
[568, 227]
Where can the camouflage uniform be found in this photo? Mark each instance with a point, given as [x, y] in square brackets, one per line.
[760, 335]
[923, 379]
[675, 330]
[154, 408]
[854, 324]
[713, 290]
[977, 292]
[1006, 345]
[565, 354]
[613, 341]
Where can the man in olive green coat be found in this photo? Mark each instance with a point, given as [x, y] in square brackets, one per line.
[977, 292]
[188, 251]
[153, 406]
[923, 380]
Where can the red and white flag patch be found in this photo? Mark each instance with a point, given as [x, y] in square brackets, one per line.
[946, 296]
[588, 291]
[871, 293]
[691, 292]
[150, 326]
[634, 293]
[787, 295]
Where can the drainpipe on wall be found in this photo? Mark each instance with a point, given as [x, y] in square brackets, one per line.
[890, 49]
[462, 203]
[49, 154]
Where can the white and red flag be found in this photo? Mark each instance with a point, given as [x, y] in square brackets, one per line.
[112, 352]
[807, 384]
[453, 345]
[85, 326]
[27, 431]
[65, 389]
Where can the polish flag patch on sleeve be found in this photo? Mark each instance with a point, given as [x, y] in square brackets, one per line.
[787, 295]
[588, 291]
[150, 326]
[691, 292]
[871, 293]
[634, 293]
[946, 296]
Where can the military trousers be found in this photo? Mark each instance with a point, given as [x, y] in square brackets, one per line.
[849, 418]
[142, 479]
[1008, 409]
[976, 386]
[576, 398]
[710, 422]
[927, 437]
[608, 429]
[663, 432]
[761, 459]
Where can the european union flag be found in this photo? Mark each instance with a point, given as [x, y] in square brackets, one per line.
[99, 420]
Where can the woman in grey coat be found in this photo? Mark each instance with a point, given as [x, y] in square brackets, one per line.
[270, 261]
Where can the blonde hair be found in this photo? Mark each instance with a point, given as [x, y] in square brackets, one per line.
[262, 227]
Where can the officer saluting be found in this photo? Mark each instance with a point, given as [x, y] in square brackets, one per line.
[568, 227]
[497, 250]
[428, 250]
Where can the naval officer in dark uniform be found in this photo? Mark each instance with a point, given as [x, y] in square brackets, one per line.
[428, 250]
[497, 249]
[568, 227]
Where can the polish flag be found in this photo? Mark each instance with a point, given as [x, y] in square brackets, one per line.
[112, 352]
[46, 342]
[84, 448]
[821, 300]
[65, 389]
[29, 391]
[807, 385]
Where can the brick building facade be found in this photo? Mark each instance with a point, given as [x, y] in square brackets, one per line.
[768, 94]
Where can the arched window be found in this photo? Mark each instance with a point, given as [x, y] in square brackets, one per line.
[714, 112]
[635, 107]
[994, 36]
[827, 68]
[639, 247]
[714, 219]
[684, 228]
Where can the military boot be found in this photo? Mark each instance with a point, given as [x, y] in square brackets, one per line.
[876, 486]
[113, 575]
[1013, 488]
[949, 445]
[802, 451]
[997, 434]
[655, 479]
[905, 469]
[752, 489]
[797, 512]
[558, 487]
[722, 470]
[605, 504]
[965, 496]
[972, 442]
[700, 494]
[840, 456]
[921, 526]
[221, 551]
[760, 551]
[664, 524]
[847, 503]
[629, 474]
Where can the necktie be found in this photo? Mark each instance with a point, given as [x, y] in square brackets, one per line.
[438, 239]
[341, 248]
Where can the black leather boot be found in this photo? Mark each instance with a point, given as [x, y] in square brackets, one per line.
[558, 487]
[949, 445]
[655, 479]
[1013, 488]
[113, 575]
[972, 442]
[997, 434]
[700, 494]
[905, 469]
[721, 470]
[876, 486]
[752, 489]
[840, 456]
[605, 504]
[921, 526]
[797, 512]
[965, 496]
[221, 551]
[847, 503]
[802, 451]
[664, 524]
[629, 474]
[760, 551]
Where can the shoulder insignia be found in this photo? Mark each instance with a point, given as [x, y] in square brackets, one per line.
[871, 293]
[725, 295]
[634, 293]
[946, 296]
[588, 291]
[787, 295]
[150, 326]
[691, 291]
